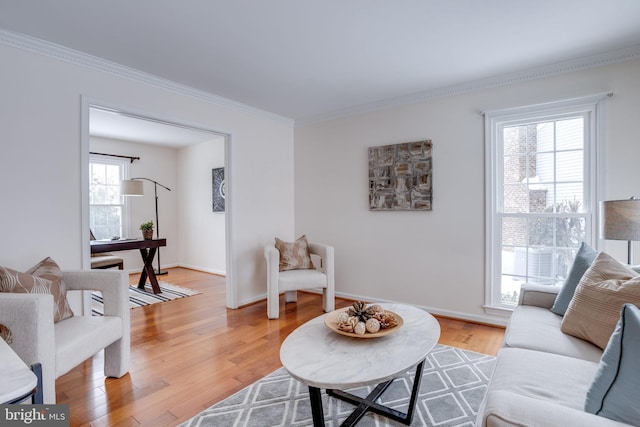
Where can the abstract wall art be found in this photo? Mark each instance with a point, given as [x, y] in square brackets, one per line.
[400, 177]
[219, 191]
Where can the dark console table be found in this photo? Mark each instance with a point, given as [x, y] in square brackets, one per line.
[147, 247]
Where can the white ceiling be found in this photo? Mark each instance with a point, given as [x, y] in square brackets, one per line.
[309, 58]
[109, 124]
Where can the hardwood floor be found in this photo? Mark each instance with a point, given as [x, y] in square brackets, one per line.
[190, 353]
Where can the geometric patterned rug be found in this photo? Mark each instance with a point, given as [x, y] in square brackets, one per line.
[454, 382]
[140, 298]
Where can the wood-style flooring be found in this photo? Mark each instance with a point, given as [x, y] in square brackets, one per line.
[190, 353]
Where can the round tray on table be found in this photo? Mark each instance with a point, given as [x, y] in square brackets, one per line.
[331, 320]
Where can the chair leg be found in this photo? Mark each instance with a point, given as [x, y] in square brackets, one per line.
[273, 303]
[116, 359]
[328, 300]
[291, 296]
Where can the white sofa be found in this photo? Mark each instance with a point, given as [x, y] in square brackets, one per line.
[61, 346]
[542, 375]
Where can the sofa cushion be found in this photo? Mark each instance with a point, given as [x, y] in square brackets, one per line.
[614, 391]
[43, 278]
[585, 256]
[595, 308]
[532, 388]
[538, 328]
[294, 256]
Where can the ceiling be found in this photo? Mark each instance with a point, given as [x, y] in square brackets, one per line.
[115, 125]
[310, 58]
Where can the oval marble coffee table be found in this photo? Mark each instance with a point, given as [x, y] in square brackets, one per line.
[323, 359]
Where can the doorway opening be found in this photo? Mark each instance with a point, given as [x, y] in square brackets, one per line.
[170, 147]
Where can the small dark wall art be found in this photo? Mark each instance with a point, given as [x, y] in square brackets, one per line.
[400, 177]
[219, 190]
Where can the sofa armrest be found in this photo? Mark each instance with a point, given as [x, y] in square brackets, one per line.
[538, 295]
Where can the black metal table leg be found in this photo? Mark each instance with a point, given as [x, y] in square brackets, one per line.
[369, 403]
[316, 406]
[38, 396]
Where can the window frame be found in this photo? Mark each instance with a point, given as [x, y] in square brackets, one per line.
[592, 110]
[124, 174]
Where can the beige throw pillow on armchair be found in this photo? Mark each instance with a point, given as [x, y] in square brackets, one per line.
[294, 256]
[595, 308]
[43, 278]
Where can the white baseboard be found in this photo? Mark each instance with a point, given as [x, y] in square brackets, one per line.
[203, 269]
[259, 298]
[490, 320]
[190, 267]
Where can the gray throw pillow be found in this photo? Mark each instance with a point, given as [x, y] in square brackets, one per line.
[585, 256]
[614, 391]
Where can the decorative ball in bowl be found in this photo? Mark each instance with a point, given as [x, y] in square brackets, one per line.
[363, 321]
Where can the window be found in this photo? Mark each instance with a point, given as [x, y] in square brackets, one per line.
[106, 207]
[542, 193]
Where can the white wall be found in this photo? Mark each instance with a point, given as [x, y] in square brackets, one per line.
[436, 259]
[40, 162]
[202, 231]
[160, 164]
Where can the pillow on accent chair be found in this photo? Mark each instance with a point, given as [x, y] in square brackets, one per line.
[294, 256]
[614, 391]
[585, 256]
[595, 308]
[43, 278]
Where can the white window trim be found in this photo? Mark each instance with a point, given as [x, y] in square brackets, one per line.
[126, 206]
[594, 107]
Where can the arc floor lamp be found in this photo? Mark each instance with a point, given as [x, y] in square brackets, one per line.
[135, 187]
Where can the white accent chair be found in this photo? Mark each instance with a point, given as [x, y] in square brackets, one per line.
[61, 346]
[291, 281]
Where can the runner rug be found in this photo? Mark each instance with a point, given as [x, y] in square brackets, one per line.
[453, 385]
[140, 298]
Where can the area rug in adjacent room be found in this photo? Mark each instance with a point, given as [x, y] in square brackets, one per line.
[453, 385]
[140, 298]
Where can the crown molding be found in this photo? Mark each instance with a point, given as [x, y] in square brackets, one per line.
[52, 50]
[610, 57]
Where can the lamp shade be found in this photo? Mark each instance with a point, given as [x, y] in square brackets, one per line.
[130, 187]
[620, 219]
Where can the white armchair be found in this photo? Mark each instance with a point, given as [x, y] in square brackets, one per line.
[61, 346]
[290, 281]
